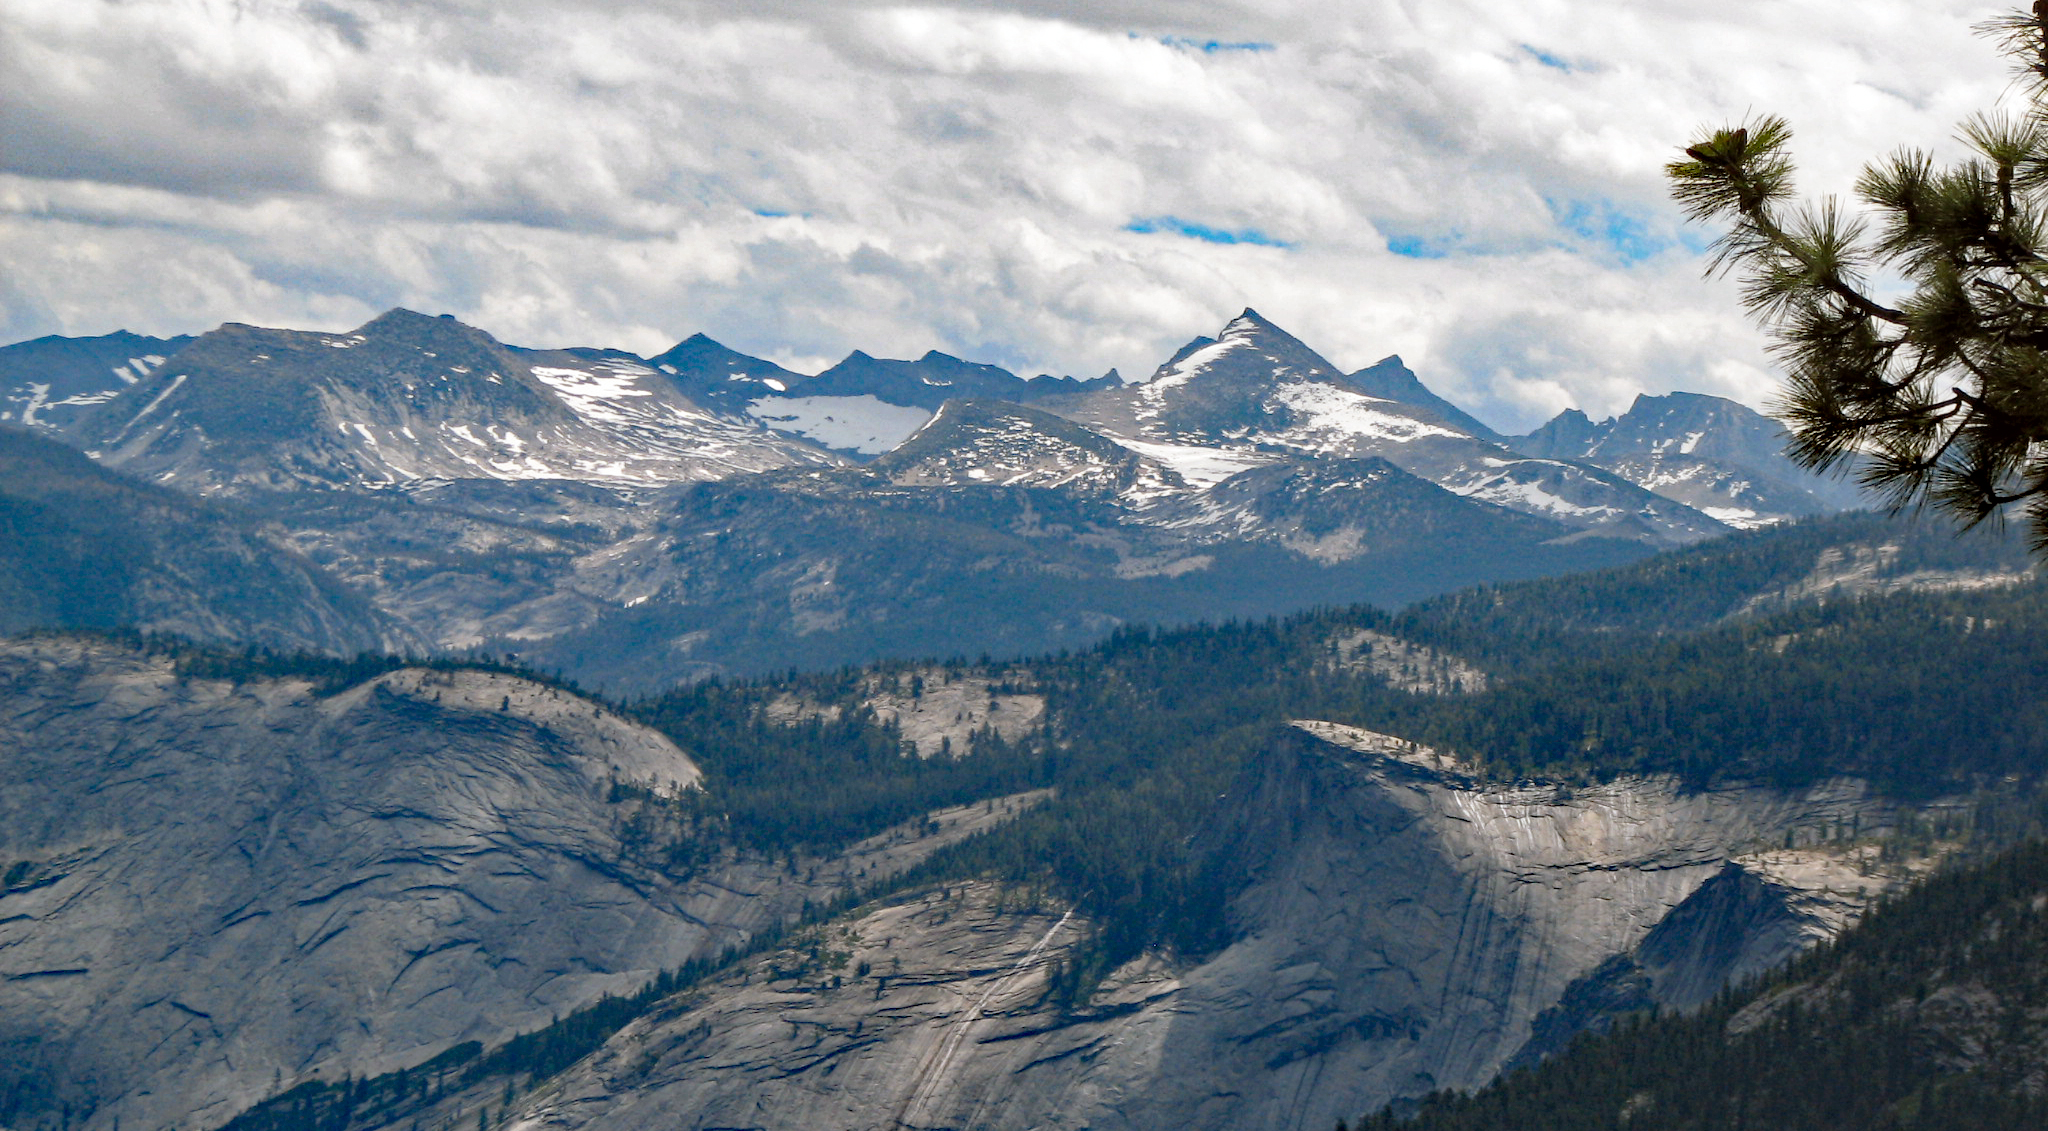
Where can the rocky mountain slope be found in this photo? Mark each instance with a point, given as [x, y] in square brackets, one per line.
[1255, 388]
[969, 442]
[814, 571]
[1401, 928]
[216, 885]
[51, 382]
[407, 397]
[1390, 379]
[1714, 454]
[542, 502]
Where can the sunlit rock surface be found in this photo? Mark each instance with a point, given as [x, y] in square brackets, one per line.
[1401, 928]
[217, 889]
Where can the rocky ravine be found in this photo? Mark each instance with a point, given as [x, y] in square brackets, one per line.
[215, 890]
[1400, 928]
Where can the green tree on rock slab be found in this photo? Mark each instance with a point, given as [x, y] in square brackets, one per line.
[1940, 397]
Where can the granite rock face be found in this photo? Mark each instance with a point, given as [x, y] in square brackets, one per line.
[1399, 928]
[217, 889]
[893, 1027]
[1403, 926]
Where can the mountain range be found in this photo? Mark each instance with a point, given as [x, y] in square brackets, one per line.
[298, 833]
[635, 521]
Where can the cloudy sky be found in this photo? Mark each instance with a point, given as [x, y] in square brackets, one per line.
[1052, 185]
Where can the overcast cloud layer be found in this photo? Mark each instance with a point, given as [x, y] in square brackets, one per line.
[1049, 185]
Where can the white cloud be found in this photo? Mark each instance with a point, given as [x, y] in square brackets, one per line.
[804, 177]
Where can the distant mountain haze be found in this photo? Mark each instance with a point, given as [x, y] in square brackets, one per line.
[50, 382]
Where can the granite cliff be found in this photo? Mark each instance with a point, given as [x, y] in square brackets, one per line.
[216, 888]
[1399, 927]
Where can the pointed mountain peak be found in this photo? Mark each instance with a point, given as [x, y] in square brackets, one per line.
[1570, 434]
[1249, 350]
[715, 374]
[1255, 331]
[1253, 326]
[1390, 379]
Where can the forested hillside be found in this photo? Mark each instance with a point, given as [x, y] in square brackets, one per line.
[1924, 694]
[1517, 625]
[83, 547]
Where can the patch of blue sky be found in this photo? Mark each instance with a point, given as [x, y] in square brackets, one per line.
[1174, 225]
[1419, 247]
[772, 213]
[1555, 62]
[1209, 46]
[1630, 235]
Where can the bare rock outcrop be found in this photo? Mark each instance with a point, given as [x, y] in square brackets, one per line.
[1400, 927]
[217, 889]
[936, 711]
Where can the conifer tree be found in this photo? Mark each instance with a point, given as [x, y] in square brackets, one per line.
[1939, 398]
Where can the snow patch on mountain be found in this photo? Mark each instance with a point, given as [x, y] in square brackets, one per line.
[1193, 365]
[1199, 467]
[865, 423]
[589, 393]
[1329, 416]
[1509, 484]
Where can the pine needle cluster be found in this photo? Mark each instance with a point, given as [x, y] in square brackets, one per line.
[1939, 398]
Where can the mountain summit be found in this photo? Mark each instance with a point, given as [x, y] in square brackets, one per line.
[407, 396]
[1722, 457]
[1255, 391]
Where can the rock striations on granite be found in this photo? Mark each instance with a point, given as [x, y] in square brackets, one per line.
[217, 889]
[1400, 927]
